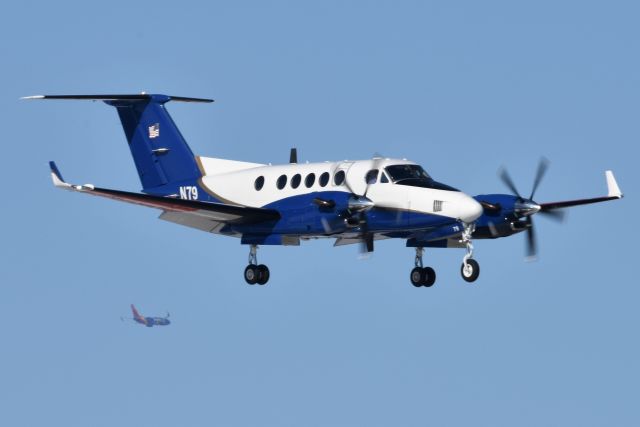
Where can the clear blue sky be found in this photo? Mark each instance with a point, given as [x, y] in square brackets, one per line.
[461, 87]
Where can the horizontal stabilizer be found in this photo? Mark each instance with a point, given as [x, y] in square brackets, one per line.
[135, 97]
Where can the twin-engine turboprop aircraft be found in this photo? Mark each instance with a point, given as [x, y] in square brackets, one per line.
[350, 201]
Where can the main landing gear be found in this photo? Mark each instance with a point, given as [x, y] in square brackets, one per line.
[256, 273]
[422, 276]
[470, 269]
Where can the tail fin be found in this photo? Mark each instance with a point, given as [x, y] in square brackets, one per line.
[160, 153]
[136, 315]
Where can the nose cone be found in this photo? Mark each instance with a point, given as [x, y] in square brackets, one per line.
[470, 210]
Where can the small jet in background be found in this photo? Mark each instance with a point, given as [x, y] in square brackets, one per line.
[149, 321]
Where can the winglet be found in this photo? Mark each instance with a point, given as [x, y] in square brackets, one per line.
[612, 186]
[56, 177]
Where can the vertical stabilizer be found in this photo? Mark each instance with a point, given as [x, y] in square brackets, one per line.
[160, 153]
[159, 150]
[136, 315]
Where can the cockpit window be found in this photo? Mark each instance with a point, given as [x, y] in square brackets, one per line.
[400, 172]
[415, 176]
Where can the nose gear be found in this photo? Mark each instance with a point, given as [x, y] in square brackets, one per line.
[470, 269]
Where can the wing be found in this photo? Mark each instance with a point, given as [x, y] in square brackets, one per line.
[613, 193]
[202, 215]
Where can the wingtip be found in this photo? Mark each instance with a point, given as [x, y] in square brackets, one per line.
[612, 185]
[56, 176]
[33, 97]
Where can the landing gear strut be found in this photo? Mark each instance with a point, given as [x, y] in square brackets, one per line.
[256, 273]
[470, 269]
[422, 276]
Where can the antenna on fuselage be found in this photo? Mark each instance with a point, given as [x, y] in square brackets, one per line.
[293, 155]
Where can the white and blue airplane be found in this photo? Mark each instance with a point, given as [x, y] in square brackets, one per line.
[350, 201]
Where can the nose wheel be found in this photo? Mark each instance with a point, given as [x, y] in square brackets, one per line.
[470, 269]
[422, 276]
[256, 273]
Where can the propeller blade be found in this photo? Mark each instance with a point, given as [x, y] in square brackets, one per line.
[326, 226]
[492, 229]
[554, 214]
[543, 165]
[366, 237]
[376, 166]
[346, 183]
[506, 179]
[367, 243]
[532, 250]
[331, 226]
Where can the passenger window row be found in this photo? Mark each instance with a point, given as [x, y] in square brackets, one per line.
[323, 180]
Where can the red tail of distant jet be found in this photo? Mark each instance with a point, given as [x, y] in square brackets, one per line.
[149, 321]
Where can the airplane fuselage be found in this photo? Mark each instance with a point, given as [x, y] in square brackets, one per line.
[151, 321]
[315, 199]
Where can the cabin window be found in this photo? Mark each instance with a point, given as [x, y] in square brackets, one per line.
[259, 183]
[295, 180]
[281, 182]
[310, 180]
[324, 179]
[371, 177]
[338, 178]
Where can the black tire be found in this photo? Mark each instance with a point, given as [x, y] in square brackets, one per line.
[251, 274]
[429, 277]
[417, 277]
[472, 273]
[263, 274]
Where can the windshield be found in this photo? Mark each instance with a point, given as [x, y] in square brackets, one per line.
[415, 176]
[400, 172]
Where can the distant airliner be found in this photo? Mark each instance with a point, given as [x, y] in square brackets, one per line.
[149, 321]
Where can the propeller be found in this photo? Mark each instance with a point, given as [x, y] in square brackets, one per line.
[359, 206]
[356, 214]
[366, 246]
[528, 207]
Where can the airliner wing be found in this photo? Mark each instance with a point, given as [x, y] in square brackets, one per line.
[175, 208]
